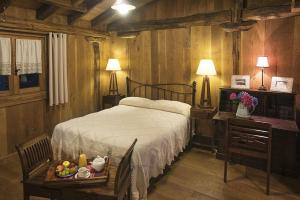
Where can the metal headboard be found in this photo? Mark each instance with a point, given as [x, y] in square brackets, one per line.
[170, 91]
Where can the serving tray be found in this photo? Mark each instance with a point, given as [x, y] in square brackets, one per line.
[52, 180]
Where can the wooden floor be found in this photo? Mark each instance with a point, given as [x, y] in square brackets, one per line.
[197, 175]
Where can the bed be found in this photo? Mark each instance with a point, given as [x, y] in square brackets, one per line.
[161, 125]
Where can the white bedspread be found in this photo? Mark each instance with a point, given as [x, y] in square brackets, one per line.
[161, 136]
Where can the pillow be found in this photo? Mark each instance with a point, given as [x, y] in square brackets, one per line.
[136, 101]
[174, 106]
[164, 105]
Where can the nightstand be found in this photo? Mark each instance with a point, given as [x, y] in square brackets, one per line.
[112, 100]
[203, 127]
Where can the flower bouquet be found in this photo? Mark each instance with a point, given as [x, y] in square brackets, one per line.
[246, 103]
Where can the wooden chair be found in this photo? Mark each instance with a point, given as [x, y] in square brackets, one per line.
[249, 139]
[35, 157]
[117, 188]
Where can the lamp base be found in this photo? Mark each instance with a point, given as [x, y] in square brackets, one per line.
[205, 102]
[263, 88]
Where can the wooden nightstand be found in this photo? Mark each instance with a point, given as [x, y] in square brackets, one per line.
[202, 124]
[112, 100]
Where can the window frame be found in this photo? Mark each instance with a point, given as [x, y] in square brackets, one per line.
[14, 79]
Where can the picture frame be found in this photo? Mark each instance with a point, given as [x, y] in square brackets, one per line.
[240, 81]
[282, 84]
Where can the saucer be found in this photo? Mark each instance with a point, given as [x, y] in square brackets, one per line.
[87, 175]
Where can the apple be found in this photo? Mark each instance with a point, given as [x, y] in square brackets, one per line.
[60, 168]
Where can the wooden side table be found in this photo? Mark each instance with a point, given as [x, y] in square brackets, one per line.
[112, 100]
[202, 124]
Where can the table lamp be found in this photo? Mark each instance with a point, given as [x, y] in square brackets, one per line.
[262, 62]
[113, 65]
[206, 68]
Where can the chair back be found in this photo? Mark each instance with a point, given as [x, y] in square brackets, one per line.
[34, 154]
[123, 175]
[246, 136]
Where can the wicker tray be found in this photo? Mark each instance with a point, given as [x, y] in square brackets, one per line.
[94, 179]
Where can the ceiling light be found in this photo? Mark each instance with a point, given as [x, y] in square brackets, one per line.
[123, 7]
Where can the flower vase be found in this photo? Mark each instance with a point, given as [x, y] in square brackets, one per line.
[242, 111]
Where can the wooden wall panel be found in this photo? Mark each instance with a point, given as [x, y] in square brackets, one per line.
[3, 133]
[23, 122]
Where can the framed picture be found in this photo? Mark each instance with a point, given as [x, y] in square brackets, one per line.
[240, 81]
[282, 84]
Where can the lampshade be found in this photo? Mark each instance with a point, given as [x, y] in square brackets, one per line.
[113, 65]
[206, 67]
[123, 6]
[262, 61]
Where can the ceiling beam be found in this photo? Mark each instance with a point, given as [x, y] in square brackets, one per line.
[246, 20]
[66, 6]
[12, 23]
[110, 15]
[295, 5]
[45, 11]
[77, 2]
[269, 12]
[4, 5]
[89, 5]
[211, 18]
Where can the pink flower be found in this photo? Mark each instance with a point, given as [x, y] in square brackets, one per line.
[232, 96]
[247, 100]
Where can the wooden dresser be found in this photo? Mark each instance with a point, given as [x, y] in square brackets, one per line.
[276, 108]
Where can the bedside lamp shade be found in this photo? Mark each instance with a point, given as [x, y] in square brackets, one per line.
[262, 61]
[113, 65]
[206, 68]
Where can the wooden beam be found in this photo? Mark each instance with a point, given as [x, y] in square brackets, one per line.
[269, 12]
[15, 24]
[295, 5]
[211, 18]
[4, 5]
[110, 15]
[45, 11]
[63, 5]
[246, 19]
[76, 15]
[77, 2]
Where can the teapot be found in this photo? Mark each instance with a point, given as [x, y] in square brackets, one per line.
[99, 162]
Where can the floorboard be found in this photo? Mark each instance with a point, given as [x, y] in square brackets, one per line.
[197, 175]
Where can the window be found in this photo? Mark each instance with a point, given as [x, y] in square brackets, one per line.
[22, 67]
[4, 82]
[29, 80]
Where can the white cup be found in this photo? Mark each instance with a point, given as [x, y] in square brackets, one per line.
[82, 172]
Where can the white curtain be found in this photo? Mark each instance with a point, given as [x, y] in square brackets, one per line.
[5, 56]
[28, 56]
[58, 80]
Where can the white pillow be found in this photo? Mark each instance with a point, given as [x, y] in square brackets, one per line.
[136, 101]
[174, 106]
[164, 105]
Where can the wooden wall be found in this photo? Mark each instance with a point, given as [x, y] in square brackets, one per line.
[173, 55]
[279, 40]
[21, 122]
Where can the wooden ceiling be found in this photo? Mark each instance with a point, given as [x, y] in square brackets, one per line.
[241, 16]
[98, 12]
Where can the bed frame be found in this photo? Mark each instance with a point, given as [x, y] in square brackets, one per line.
[170, 91]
